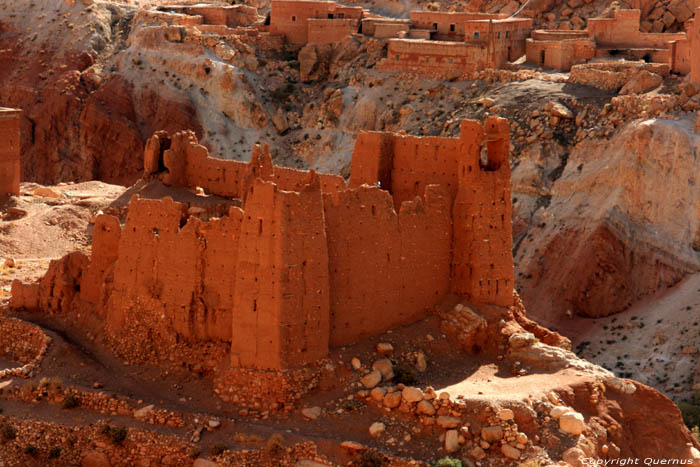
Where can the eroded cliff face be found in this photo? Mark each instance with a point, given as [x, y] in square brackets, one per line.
[80, 120]
[620, 224]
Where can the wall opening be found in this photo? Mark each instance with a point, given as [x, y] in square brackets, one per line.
[330, 15]
[294, 18]
[452, 28]
[541, 57]
[434, 25]
[476, 35]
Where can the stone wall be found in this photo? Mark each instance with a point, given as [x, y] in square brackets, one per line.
[9, 152]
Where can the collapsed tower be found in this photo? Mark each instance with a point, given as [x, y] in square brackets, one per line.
[281, 264]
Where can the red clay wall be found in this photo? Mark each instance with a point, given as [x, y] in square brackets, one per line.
[436, 58]
[289, 18]
[189, 164]
[303, 265]
[622, 31]
[482, 262]
[448, 26]
[9, 151]
[694, 46]
[324, 31]
[385, 269]
[281, 311]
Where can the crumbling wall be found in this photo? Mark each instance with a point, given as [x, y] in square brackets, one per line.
[9, 152]
[482, 261]
[281, 307]
[694, 46]
[180, 161]
[386, 269]
[308, 263]
[622, 31]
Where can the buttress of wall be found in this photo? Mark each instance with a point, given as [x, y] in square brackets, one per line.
[385, 269]
[174, 279]
[281, 311]
[482, 262]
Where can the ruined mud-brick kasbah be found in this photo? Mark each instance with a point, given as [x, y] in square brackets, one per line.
[271, 267]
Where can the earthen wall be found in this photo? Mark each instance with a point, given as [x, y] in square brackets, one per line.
[306, 264]
[324, 31]
[9, 152]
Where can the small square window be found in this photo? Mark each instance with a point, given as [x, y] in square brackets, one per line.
[294, 18]
[398, 57]
[427, 59]
[476, 35]
[434, 25]
[498, 35]
[452, 28]
[451, 61]
[506, 34]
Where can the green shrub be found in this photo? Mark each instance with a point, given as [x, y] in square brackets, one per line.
[117, 435]
[71, 401]
[218, 448]
[274, 445]
[448, 462]
[7, 432]
[371, 458]
[30, 450]
[691, 413]
[404, 374]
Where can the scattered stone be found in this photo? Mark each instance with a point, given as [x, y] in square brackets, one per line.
[421, 362]
[385, 367]
[572, 423]
[144, 411]
[352, 446]
[10, 263]
[510, 452]
[376, 429]
[486, 102]
[311, 412]
[371, 379]
[377, 394]
[412, 394]
[492, 433]
[214, 423]
[558, 411]
[47, 193]
[425, 408]
[392, 400]
[557, 109]
[356, 364]
[451, 441]
[384, 348]
[477, 453]
[447, 422]
[506, 414]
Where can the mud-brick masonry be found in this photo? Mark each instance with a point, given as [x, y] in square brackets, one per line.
[307, 262]
[9, 151]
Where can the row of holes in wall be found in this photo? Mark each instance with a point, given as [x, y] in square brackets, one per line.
[330, 16]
